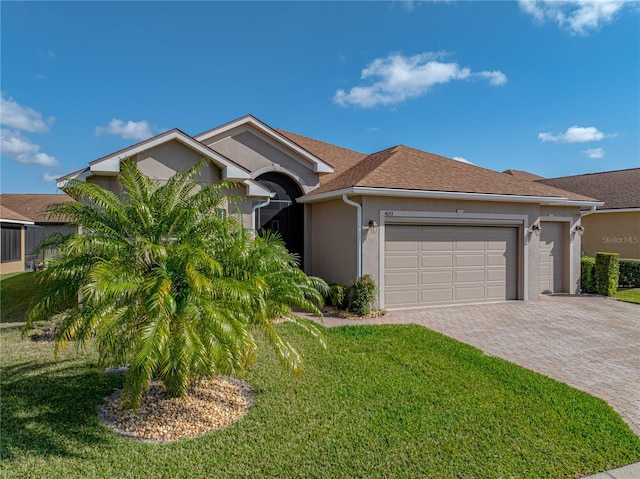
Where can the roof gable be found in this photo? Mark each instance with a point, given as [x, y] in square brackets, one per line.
[110, 164]
[7, 215]
[277, 140]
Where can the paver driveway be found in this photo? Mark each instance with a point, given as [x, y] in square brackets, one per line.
[590, 343]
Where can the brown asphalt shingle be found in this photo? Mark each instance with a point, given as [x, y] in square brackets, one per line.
[402, 167]
[618, 189]
[341, 159]
[9, 214]
[523, 175]
[34, 206]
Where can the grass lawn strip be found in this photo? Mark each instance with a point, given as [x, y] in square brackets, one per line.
[381, 401]
[629, 295]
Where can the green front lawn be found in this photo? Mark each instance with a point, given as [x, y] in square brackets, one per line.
[16, 291]
[629, 295]
[381, 401]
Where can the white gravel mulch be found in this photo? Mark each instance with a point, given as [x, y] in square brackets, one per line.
[210, 405]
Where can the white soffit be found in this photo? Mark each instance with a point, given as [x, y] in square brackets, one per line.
[319, 166]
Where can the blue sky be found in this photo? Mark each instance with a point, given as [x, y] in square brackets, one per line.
[547, 87]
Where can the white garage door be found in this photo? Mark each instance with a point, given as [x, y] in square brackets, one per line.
[439, 265]
[551, 257]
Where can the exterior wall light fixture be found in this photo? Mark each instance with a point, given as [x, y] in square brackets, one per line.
[535, 228]
[373, 226]
[579, 230]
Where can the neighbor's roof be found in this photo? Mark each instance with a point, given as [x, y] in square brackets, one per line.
[618, 189]
[34, 206]
[10, 215]
[523, 175]
[406, 168]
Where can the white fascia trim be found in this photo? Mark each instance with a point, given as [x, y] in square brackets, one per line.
[230, 171]
[319, 166]
[17, 222]
[255, 190]
[611, 210]
[81, 175]
[447, 195]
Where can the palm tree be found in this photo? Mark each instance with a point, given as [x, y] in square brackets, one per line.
[163, 282]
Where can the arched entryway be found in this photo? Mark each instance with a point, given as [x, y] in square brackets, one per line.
[283, 214]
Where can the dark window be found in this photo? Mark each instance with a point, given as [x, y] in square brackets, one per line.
[11, 244]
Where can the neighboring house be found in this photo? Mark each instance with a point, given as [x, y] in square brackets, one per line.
[35, 206]
[615, 226]
[430, 230]
[12, 240]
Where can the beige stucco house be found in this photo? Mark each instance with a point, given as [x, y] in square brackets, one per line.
[613, 227]
[12, 240]
[35, 206]
[430, 230]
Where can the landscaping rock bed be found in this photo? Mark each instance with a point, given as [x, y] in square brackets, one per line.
[210, 405]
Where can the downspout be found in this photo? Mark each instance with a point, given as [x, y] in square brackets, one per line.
[257, 207]
[358, 207]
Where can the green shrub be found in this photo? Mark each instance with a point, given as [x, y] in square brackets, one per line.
[587, 283]
[338, 295]
[362, 294]
[607, 273]
[630, 273]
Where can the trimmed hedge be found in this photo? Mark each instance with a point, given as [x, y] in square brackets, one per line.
[362, 294]
[629, 273]
[587, 283]
[607, 273]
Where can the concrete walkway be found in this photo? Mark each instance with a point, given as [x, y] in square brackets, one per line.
[590, 343]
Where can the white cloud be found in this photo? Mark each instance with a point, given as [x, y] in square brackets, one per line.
[577, 16]
[23, 118]
[131, 130]
[594, 153]
[576, 134]
[397, 78]
[46, 176]
[20, 149]
[461, 159]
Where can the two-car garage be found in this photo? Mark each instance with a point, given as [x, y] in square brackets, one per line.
[427, 265]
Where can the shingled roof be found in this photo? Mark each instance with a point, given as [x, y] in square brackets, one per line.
[406, 168]
[10, 215]
[523, 175]
[34, 206]
[341, 159]
[618, 189]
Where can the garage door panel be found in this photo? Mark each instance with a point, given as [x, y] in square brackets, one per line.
[437, 245]
[469, 276]
[469, 260]
[475, 294]
[436, 277]
[404, 297]
[402, 278]
[436, 261]
[402, 262]
[457, 264]
[439, 296]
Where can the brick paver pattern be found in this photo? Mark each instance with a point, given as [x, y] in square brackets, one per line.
[591, 343]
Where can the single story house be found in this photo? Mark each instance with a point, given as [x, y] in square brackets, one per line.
[430, 230]
[613, 227]
[12, 240]
[35, 206]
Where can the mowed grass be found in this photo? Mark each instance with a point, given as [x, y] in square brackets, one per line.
[16, 291]
[629, 295]
[387, 401]
[381, 401]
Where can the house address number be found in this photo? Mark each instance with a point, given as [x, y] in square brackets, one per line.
[388, 213]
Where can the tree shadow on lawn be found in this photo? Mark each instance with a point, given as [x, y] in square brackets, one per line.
[50, 408]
